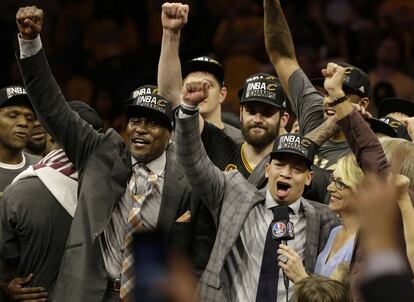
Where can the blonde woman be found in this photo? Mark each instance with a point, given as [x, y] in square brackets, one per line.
[338, 249]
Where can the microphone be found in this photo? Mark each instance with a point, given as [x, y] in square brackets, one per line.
[283, 230]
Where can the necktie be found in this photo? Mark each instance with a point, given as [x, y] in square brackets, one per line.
[269, 271]
[140, 187]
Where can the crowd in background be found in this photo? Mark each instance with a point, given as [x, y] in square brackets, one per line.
[102, 50]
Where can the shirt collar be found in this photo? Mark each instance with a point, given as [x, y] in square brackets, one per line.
[157, 166]
[270, 203]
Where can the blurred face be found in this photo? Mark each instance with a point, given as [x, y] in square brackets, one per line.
[329, 111]
[37, 141]
[287, 176]
[147, 138]
[260, 123]
[16, 124]
[341, 199]
[216, 95]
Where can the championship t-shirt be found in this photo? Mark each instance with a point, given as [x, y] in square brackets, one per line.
[224, 152]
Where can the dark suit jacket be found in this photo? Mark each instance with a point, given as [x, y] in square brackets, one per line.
[230, 198]
[104, 165]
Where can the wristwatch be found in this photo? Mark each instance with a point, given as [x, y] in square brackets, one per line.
[338, 101]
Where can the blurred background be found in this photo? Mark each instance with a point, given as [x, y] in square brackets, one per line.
[100, 50]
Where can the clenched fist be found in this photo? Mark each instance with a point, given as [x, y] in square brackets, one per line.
[195, 92]
[29, 20]
[174, 16]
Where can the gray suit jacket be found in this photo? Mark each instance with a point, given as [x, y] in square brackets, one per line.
[230, 197]
[104, 165]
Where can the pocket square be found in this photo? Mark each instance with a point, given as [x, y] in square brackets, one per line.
[186, 217]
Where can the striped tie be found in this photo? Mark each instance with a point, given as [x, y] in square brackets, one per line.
[140, 187]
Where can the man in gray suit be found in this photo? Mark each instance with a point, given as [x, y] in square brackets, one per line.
[244, 214]
[109, 180]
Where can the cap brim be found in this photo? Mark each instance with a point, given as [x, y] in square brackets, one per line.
[391, 105]
[253, 99]
[18, 100]
[214, 69]
[381, 127]
[274, 154]
[319, 82]
[136, 110]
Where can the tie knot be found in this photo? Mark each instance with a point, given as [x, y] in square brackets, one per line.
[282, 211]
[143, 171]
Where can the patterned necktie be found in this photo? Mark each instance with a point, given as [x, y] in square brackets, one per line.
[139, 188]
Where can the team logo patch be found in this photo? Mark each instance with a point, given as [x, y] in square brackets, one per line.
[279, 229]
[230, 167]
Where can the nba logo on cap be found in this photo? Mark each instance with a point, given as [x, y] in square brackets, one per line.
[12, 91]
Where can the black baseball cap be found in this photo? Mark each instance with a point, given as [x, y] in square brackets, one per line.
[145, 89]
[265, 90]
[87, 113]
[256, 76]
[206, 64]
[14, 95]
[291, 143]
[399, 128]
[152, 105]
[390, 105]
[378, 126]
[356, 80]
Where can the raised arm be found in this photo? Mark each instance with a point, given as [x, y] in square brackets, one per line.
[306, 101]
[71, 132]
[278, 40]
[173, 18]
[206, 179]
[362, 140]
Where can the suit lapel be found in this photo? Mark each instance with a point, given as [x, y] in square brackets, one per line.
[114, 188]
[312, 235]
[171, 193]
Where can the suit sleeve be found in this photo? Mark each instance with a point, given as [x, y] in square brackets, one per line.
[76, 136]
[206, 179]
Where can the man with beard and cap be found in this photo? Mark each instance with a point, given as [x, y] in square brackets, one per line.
[308, 104]
[16, 123]
[262, 112]
[243, 265]
[124, 188]
[32, 242]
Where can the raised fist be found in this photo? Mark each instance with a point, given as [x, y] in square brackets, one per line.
[174, 16]
[29, 20]
[195, 92]
[334, 77]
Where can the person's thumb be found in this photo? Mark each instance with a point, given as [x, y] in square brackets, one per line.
[25, 279]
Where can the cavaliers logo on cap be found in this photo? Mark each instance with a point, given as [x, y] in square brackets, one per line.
[305, 142]
[279, 229]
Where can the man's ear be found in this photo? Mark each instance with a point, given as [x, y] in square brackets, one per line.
[267, 168]
[223, 94]
[284, 118]
[364, 102]
[309, 178]
[241, 114]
